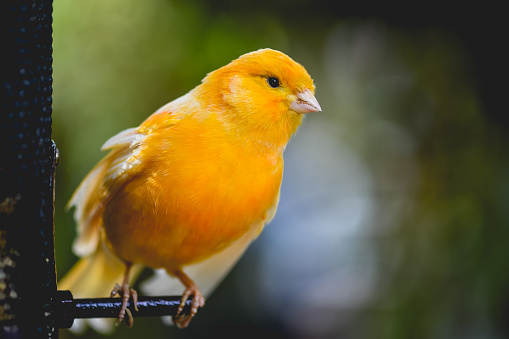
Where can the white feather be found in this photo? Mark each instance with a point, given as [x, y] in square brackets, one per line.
[85, 242]
[123, 138]
[123, 157]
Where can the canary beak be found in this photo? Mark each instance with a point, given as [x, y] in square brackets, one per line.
[305, 102]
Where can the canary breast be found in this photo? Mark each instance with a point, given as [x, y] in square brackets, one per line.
[198, 190]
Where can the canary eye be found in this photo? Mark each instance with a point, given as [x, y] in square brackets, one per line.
[273, 82]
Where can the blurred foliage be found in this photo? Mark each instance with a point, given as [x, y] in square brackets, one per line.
[404, 137]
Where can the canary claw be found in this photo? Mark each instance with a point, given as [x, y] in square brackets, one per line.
[126, 292]
[182, 321]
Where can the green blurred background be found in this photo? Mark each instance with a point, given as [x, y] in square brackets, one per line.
[393, 215]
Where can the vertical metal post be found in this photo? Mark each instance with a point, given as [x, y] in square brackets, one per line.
[27, 157]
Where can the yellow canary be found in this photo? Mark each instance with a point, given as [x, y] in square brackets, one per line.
[193, 185]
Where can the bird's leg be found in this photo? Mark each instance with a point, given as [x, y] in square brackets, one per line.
[125, 291]
[198, 300]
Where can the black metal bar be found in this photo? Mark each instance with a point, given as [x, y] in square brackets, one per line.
[70, 308]
[27, 155]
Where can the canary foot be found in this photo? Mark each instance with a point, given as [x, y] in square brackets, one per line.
[126, 292]
[182, 321]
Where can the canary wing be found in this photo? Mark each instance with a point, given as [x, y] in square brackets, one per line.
[122, 164]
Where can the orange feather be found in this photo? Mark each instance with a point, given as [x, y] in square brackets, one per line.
[198, 178]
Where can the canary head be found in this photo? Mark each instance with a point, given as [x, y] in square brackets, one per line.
[265, 89]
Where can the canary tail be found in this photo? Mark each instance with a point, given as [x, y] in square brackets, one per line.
[95, 276]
